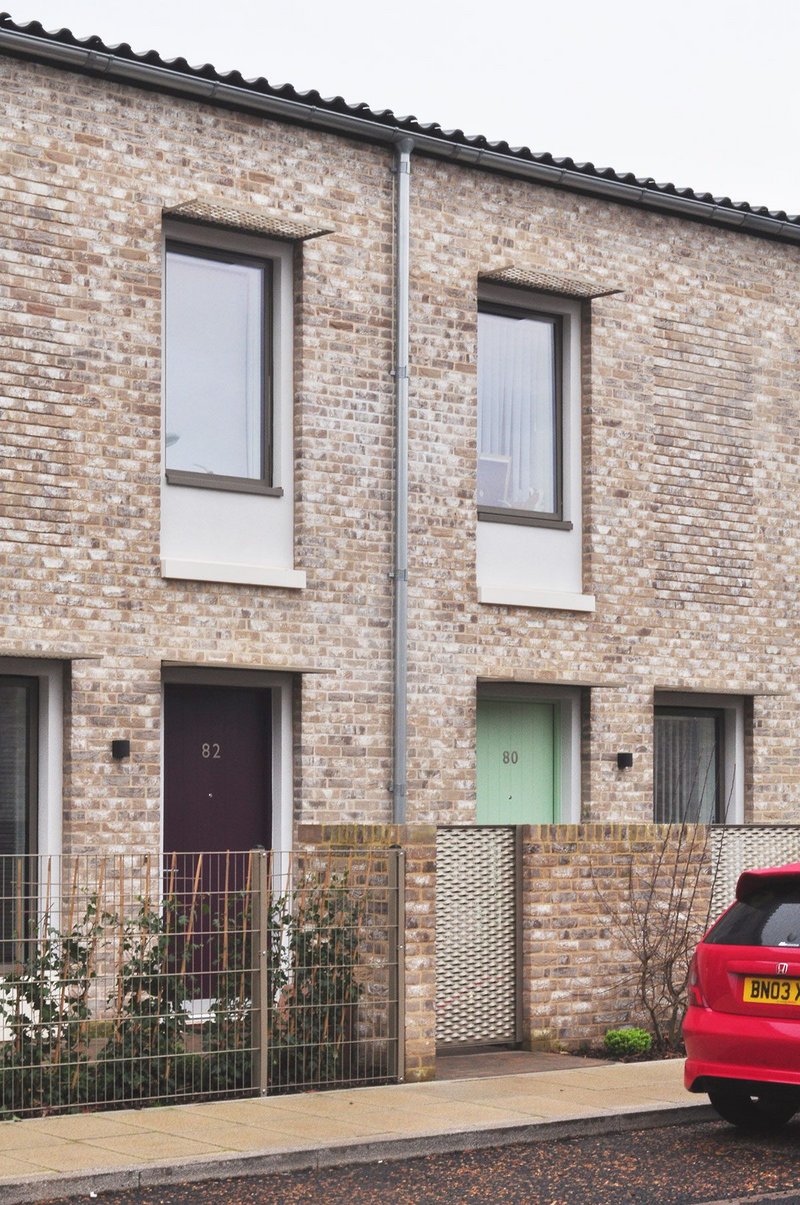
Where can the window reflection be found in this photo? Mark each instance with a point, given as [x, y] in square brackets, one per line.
[215, 326]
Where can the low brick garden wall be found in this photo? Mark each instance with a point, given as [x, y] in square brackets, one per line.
[599, 899]
[578, 969]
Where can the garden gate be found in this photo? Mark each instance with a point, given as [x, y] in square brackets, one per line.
[478, 936]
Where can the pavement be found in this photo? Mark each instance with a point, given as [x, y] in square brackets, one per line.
[74, 1155]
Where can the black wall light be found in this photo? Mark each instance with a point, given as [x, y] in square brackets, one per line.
[624, 761]
[120, 749]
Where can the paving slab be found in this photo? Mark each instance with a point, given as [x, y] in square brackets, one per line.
[59, 1157]
[19, 1167]
[263, 1120]
[76, 1157]
[439, 1120]
[244, 1112]
[81, 1126]
[491, 1063]
[150, 1145]
[14, 1138]
[213, 1135]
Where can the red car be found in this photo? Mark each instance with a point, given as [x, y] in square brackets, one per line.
[742, 1026]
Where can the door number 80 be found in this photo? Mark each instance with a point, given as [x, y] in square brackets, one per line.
[510, 757]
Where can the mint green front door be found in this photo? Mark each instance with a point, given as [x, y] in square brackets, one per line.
[518, 762]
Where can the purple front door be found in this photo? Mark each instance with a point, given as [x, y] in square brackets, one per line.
[217, 768]
[217, 798]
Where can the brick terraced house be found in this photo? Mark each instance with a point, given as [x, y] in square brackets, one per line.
[362, 479]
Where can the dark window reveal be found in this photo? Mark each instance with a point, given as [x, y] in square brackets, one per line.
[687, 770]
[18, 820]
[18, 711]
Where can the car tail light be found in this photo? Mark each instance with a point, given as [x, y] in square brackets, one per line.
[696, 996]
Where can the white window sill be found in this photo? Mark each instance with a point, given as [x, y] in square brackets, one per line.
[554, 600]
[244, 575]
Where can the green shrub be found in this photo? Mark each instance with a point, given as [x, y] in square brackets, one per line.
[313, 956]
[312, 952]
[628, 1042]
[145, 1058]
[45, 1018]
[56, 1055]
[227, 1036]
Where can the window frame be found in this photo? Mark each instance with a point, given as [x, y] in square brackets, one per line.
[701, 712]
[264, 484]
[736, 711]
[515, 515]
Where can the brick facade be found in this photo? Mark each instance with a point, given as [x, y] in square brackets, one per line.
[689, 380]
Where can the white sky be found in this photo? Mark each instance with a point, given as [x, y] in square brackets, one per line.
[698, 92]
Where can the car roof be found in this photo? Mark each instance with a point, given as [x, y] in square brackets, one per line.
[753, 880]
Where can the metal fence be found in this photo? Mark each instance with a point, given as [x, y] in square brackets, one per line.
[136, 979]
[738, 847]
[478, 930]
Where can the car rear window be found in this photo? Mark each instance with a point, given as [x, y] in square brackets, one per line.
[770, 917]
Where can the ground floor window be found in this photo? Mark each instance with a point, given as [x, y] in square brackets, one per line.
[688, 759]
[698, 759]
[18, 764]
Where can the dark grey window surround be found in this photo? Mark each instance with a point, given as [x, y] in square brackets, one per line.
[245, 485]
[526, 518]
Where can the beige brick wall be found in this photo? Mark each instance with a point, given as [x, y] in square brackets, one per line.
[595, 899]
[418, 957]
[580, 932]
[691, 446]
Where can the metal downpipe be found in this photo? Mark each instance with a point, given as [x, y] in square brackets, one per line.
[400, 573]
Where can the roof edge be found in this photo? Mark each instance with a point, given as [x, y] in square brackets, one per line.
[123, 65]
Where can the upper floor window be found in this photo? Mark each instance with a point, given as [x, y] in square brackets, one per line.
[218, 369]
[520, 375]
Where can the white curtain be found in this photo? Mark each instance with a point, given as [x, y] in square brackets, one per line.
[516, 413]
[686, 768]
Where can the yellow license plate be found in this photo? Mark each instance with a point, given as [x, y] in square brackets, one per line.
[758, 990]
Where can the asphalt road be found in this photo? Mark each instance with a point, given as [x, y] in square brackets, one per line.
[681, 1165]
